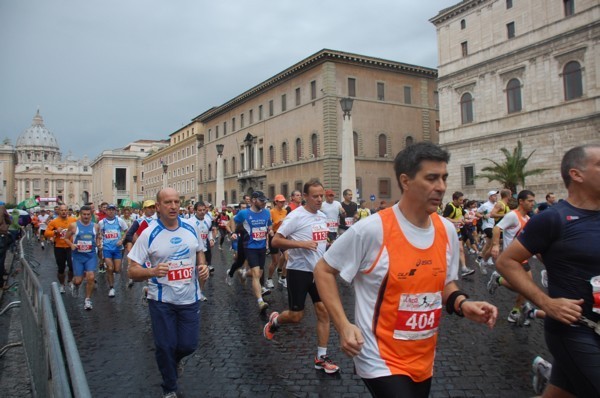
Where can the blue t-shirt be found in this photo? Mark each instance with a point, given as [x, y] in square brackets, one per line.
[568, 240]
[85, 240]
[256, 225]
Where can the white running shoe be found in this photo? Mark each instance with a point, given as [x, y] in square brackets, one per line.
[265, 291]
[514, 316]
[269, 284]
[203, 297]
[490, 262]
[62, 289]
[88, 304]
[111, 292]
[493, 284]
[228, 279]
[544, 275]
[541, 374]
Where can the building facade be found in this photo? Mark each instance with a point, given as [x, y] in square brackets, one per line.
[41, 171]
[514, 70]
[117, 173]
[286, 130]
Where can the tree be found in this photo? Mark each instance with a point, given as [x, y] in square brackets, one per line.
[511, 172]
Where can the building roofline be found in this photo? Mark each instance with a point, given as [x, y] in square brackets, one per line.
[453, 11]
[308, 63]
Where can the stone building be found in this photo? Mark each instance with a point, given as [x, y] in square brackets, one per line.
[40, 170]
[117, 173]
[517, 70]
[287, 129]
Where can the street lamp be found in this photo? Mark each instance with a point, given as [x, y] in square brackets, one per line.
[220, 177]
[348, 174]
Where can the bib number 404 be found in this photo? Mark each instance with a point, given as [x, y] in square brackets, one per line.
[421, 320]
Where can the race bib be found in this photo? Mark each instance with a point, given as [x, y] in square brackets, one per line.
[62, 233]
[223, 223]
[203, 236]
[180, 272]
[349, 221]
[418, 316]
[595, 282]
[319, 233]
[332, 225]
[259, 233]
[84, 246]
[112, 234]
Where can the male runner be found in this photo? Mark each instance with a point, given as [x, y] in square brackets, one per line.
[304, 234]
[333, 210]
[57, 231]
[43, 220]
[278, 213]
[566, 238]
[487, 225]
[550, 201]
[455, 213]
[350, 208]
[403, 266]
[203, 223]
[110, 235]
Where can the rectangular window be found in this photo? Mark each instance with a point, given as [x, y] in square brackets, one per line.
[271, 108]
[242, 121]
[283, 103]
[384, 187]
[380, 91]
[468, 175]
[464, 48]
[224, 128]
[436, 99]
[407, 95]
[251, 116]
[569, 7]
[209, 134]
[510, 30]
[232, 124]
[271, 191]
[121, 179]
[233, 196]
[509, 4]
[298, 186]
[313, 90]
[351, 87]
[216, 132]
[285, 190]
[298, 96]
[260, 112]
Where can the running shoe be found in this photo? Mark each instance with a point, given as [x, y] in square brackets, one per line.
[74, 290]
[270, 328]
[265, 291]
[262, 306]
[544, 275]
[471, 251]
[211, 268]
[228, 279]
[528, 312]
[171, 394]
[490, 262]
[42, 243]
[514, 315]
[482, 266]
[269, 284]
[101, 268]
[493, 284]
[145, 295]
[243, 274]
[61, 289]
[87, 304]
[283, 282]
[326, 364]
[130, 283]
[541, 374]
[466, 272]
[203, 297]
[111, 292]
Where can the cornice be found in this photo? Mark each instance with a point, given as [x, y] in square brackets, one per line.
[455, 10]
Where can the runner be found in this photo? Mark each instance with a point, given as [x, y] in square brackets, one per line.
[43, 220]
[278, 213]
[257, 223]
[223, 221]
[81, 237]
[333, 210]
[110, 235]
[487, 226]
[362, 212]
[149, 215]
[304, 234]
[455, 213]
[565, 237]
[403, 266]
[56, 232]
[170, 255]
[350, 208]
[204, 225]
[550, 201]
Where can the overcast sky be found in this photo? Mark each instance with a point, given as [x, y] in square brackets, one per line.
[106, 73]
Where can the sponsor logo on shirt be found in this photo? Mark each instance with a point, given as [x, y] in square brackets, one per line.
[572, 218]
[175, 240]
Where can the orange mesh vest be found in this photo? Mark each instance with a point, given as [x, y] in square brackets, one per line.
[409, 306]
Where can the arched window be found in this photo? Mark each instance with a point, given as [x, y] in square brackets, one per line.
[314, 145]
[298, 148]
[513, 95]
[210, 172]
[382, 145]
[409, 141]
[284, 152]
[466, 108]
[572, 80]
[233, 165]
[355, 142]
[271, 155]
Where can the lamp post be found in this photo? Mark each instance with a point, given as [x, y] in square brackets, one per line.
[348, 174]
[220, 177]
[165, 168]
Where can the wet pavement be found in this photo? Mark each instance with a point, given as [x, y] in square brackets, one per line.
[234, 360]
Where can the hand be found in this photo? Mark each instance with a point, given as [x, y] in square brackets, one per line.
[211, 243]
[351, 340]
[234, 236]
[309, 244]
[480, 312]
[495, 251]
[563, 310]
[162, 269]
[203, 272]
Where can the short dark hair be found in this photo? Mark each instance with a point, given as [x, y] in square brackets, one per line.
[346, 191]
[198, 204]
[408, 161]
[524, 194]
[549, 194]
[574, 158]
[85, 207]
[313, 182]
[457, 195]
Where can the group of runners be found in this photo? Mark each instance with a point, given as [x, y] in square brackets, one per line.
[403, 262]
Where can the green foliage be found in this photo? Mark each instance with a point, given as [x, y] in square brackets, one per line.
[510, 173]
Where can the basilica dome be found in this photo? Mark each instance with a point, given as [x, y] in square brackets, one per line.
[37, 136]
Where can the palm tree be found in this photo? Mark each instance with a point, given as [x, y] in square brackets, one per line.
[511, 172]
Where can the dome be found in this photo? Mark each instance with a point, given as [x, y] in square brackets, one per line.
[37, 135]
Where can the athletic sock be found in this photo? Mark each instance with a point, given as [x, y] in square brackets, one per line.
[321, 352]
[260, 300]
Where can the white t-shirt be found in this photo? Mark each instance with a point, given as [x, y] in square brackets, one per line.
[332, 212]
[356, 251]
[302, 225]
[486, 209]
[43, 221]
[204, 226]
[178, 248]
[510, 226]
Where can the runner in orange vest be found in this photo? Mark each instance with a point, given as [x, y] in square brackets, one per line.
[403, 266]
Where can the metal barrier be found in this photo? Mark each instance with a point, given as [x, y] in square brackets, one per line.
[52, 355]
